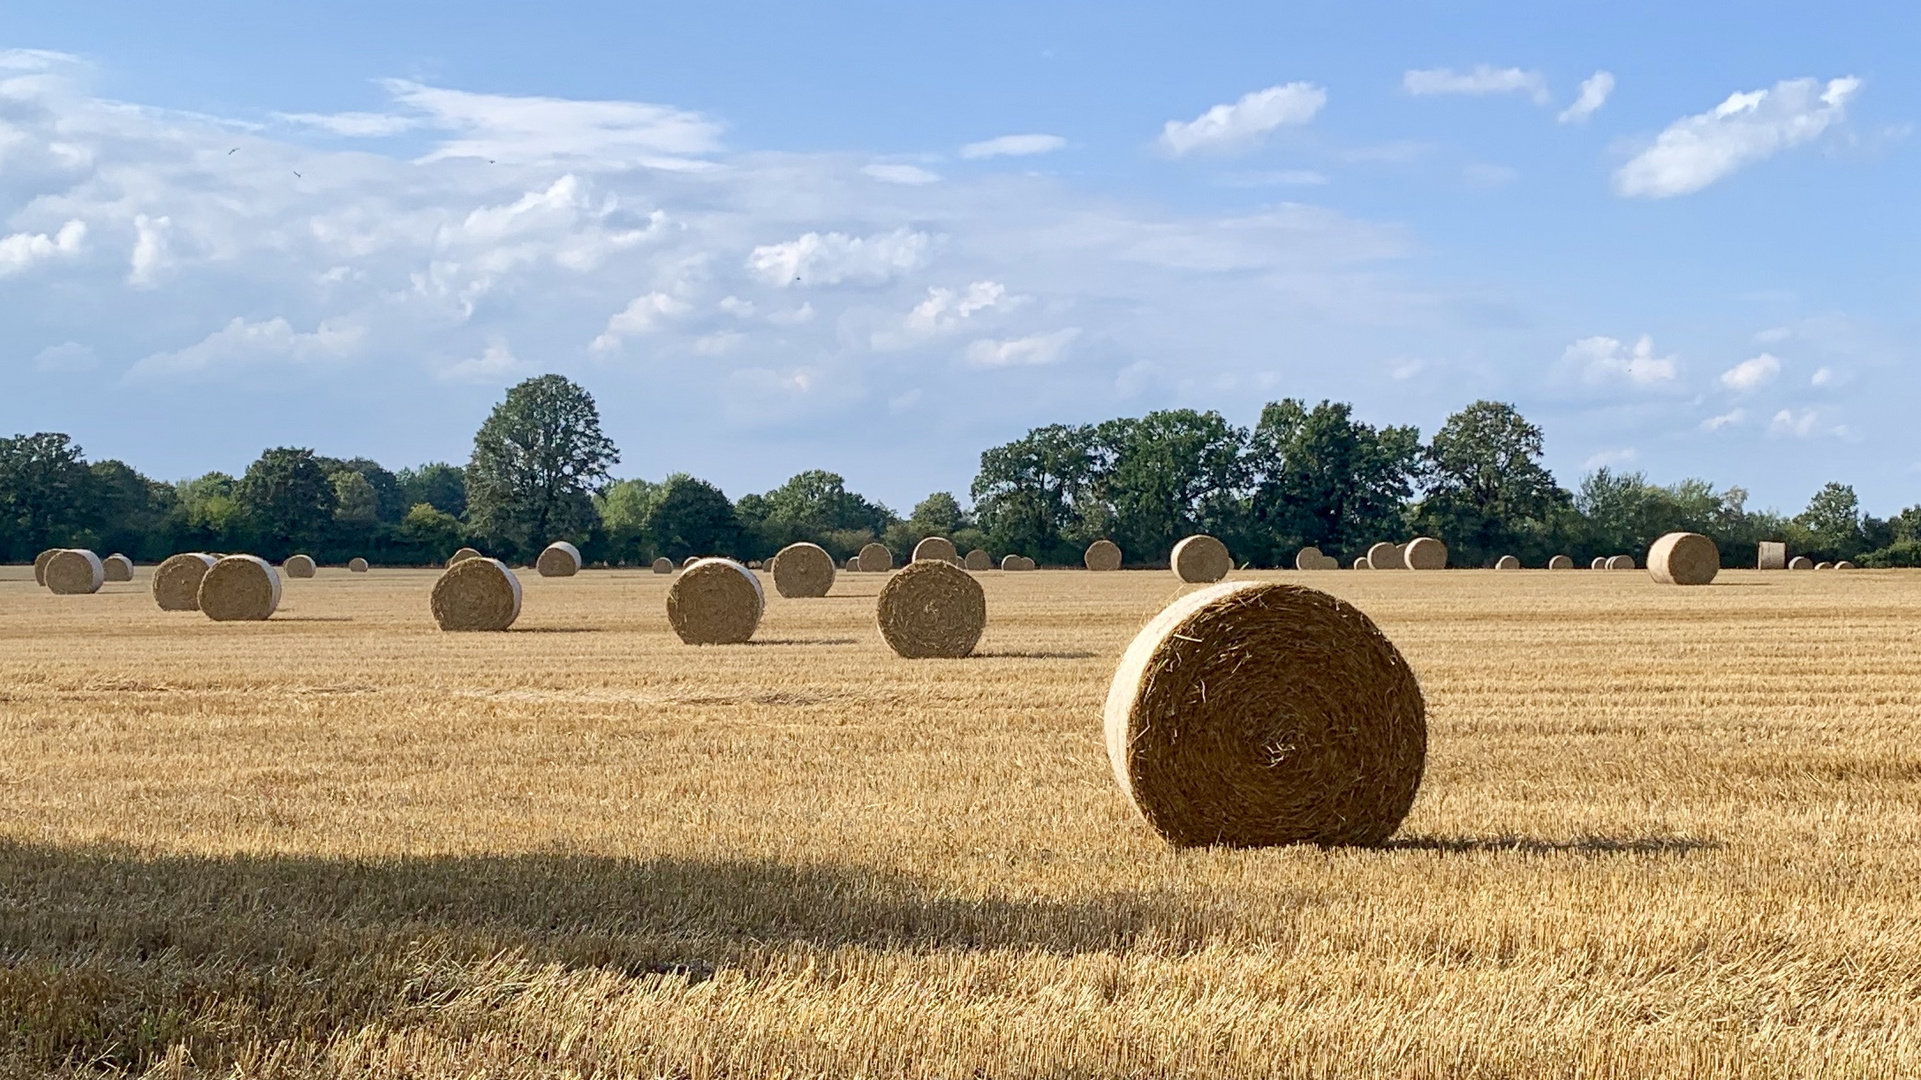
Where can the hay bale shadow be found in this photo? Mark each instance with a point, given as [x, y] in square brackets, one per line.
[1581, 845]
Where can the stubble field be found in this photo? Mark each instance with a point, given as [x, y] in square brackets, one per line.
[1664, 832]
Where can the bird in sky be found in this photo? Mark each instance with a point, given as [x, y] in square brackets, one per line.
[230, 153]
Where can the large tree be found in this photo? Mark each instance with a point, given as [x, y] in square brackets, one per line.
[1168, 475]
[1488, 494]
[693, 517]
[288, 499]
[538, 461]
[44, 494]
[1033, 495]
[1323, 478]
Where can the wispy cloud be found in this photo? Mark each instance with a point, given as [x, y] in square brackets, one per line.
[1594, 94]
[832, 258]
[1751, 374]
[901, 174]
[1243, 124]
[1036, 350]
[1013, 146]
[1481, 81]
[1726, 419]
[1695, 151]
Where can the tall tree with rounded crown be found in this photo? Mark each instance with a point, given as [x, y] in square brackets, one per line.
[538, 460]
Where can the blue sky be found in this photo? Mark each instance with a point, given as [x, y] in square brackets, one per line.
[877, 240]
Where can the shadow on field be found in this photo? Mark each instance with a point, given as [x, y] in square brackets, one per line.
[805, 641]
[1034, 654]
[1582, 845]
[311, 618]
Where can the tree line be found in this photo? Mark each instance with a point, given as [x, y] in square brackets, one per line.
[541, 470]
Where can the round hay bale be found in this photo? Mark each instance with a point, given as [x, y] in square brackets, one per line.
[715, 602]
[1824, 566]
[117, 567]
[1600, 563]
[1560, 562]
[462, 556]
[1800, 562]
[1200, 559]
[176, 581]
[876, 559]
[1010, 562]
[1684, 558]
[559, 559]
[1844, 565]
[1257, 713]
[803, 570]
[40, 565]
[1102, 555]
[1385, 556]
[663, 565]
[932, 609]
[1329, 562]
[299, 566]
[476, 594]
[75, 572]
[1621, 562]
[853, 563]
[934, 547]
[1308, 558]
[239, 588]
[689, 561]
[1361, 563]
[357, 565]
[1425, 553]
[979, 559]
[1507, 562]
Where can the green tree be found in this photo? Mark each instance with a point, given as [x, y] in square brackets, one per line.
[1326, 479]
[128, 512]
[1833, 523]
[625, 507]
[355, 500]
[1488, 494]
[1034, 496]
[814, 506]
[288, 499]
[538, 461]
[208, 510]
[938, 514]
[43, 494]
[434, 533]
[693, 517]
[438, 484]
[1168, 475]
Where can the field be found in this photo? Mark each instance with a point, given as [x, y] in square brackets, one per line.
[1664, 832]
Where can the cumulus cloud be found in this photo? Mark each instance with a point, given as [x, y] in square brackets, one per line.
[832, 258]
[1483, 80]
[1790, 423]
[1695, 151]
[1013, 146]
[643, 315]
[1726, 419]
[495, 364]
[945, 310]
[1822, 377]
[242, 344]
[1606, 359]
[1032, 351]
[22, 250]
[1243, 124]
[1751, 374]
[1594, 94]
[901, 174]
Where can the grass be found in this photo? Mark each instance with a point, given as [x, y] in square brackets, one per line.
[1664, 832]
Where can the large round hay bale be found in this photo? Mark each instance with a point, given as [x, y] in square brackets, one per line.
[1257, 713]
[934, 547]
[715, 602]
[1684, 558]
[40, 565]
[1507, 562]
[1308, 558]
[979, 559]
[1102, 555]
[803, 570]
[1600, 563]
[932, 609]
[476, 594]
[117, 567]
[239, 588]
[1425, 553]
[1010, 562]
[559, 559]
[299, 566]
[663, 565]
[1560, 562]
[1621, 562]
[357, 565]
[462, 556]
[876, 559]
[1361, 563]
[176, 581]
[75, 572]
[1385, 556]
[1800, 562]
[1200, 559]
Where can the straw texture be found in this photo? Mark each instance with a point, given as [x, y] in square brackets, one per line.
[1361, 563]
[663, 565]
[1425, 553]
[40, 565]
[299, 566]
[802, 570]
[1800, 562]
[932, 609]
[1560, 562]
[1256, 713]
[1200, 559]
[1507, 562]
[176, 581]
[1102, 555]
[875, 559]
[1600, 563]
[1684, 558]
[1844, 565]
[75, 572]
[935, 547]
[239, 588]
[1771, 555]
[558, 559]
[979, 559]
[1385, 556]
[1621, 562]
[117, 567]
[478, 595]
[357, 565]
[462, 556]
[715, 602]
[1824, 566]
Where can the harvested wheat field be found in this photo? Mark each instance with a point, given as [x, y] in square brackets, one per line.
[1662, 832]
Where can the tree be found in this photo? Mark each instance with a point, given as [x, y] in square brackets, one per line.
[1488, 494]
[208, 511]
[127, 512]
[438, 484]
[1323, 478]
[355, 501]
[813, 506]
[43, 494]
[538, 461]
[288, 499]
[1168, 475]
[1833, 523]
[435, 532]
[1033, 494]
[390, 503]
[693, 517]
[624, 507]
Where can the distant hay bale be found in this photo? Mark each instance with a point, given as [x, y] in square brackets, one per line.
[802, 570]
[1621, 562]
[1201, 559]
[559, 559]
[1029, 564]
[357, 565]
[1560, 562]
[689, 561]
[1684, 558]
[979, 559]
[40, 565]
[1102, 555]
[476, 595]
[299, 566]
[663, 565]
[1010, 562]
[1771, 555]
[239, 588]
[1425, 553]
[1308, 558]
[1385, 556]
[876, 559]
[1256, 713]
[932, 609]
[934, 547]
[75, 572]
[117, 567]
[1600, 563]
[1824, 566]
[176, 581]
[853, 563]
[1800, 562]
[1844, 565]
[1361, 563]
[1507, 562]
[462, 556]
[715, 602]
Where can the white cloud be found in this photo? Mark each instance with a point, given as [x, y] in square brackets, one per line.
[1774, 334]
[1606, 359]
[1751, 374]
[1037, 350]
[1275, 178]
[719, 343]
[1696, 151]
[1231, 128]
[945, 310]
[1594, 94]
[1481, 81]
[541, 130]
[495, 364]
[832, 258]
[1726, 419]
[901, 174]
[1612, 458]
[66, 356]
[1788, 422]
[150, 251]
[1013, 146]
[353, 125]
[738, 308]
[23, 250]
[1822, 377]
[242, 344]
[643, 315]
